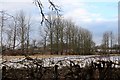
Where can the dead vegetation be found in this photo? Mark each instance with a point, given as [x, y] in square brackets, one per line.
[34, 69]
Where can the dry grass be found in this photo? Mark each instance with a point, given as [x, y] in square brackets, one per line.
[33, 56]
[43, 56]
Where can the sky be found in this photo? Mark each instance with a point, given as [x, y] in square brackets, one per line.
[97, 16]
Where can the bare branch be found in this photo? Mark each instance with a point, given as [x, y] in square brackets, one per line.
[52, 6]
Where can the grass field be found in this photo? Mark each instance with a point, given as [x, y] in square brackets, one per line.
[46, 56]
[34, 56]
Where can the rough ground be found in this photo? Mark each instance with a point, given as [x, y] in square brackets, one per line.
[34, 56]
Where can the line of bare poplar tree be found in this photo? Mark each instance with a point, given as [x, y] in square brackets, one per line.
[63, 36]
[57, 35]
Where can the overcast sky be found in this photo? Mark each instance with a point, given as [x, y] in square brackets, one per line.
[96, 15]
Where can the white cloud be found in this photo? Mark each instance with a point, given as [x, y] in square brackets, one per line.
[82, 14]
[72, 3]
[13, 7]
[97, 0]
[97, 22]
[106, 20]
[65, 1]
[74, 9]
[17, 1]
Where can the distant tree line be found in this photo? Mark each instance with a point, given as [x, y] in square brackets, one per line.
[109, 43]
[59, 35]
[63, 36]
[15, 31]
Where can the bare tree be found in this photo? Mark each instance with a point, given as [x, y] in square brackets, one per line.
[62, 32]
[50, 27]
[52, 7]
[78, 40]
[28, 34]
[87, 42]
[108, 41]
[11, 31]
[2, 24]
[111, 40]
[9, 38]
[105, 41]
[64, 35]
[23, 30]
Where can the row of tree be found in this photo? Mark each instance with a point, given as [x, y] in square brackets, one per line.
[15, 30]
[109, 43]
[57, 35]
[63, 36]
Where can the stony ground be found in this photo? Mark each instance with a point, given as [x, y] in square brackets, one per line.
[76, 68]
